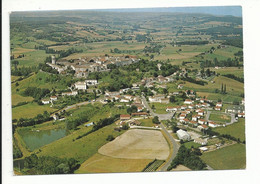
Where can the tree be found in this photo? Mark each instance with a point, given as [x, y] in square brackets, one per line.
[15, 63]
[156, 120]
[110, 138]
[172, 99]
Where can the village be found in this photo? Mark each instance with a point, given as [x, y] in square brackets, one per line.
[192, 115]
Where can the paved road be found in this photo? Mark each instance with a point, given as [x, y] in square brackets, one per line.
[175, 149]
[172, 141]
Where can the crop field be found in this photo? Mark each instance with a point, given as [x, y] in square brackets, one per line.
[137, 144]
[219, 117]
[236, 129]
[30, 110]
[81, 149]
[104, 164]
[230, 157]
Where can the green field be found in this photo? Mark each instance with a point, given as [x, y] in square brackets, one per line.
[104, 164]
[80, 149]
[236, 129]
[147, 122]
[220, 117]
[30, 110]
[160, 108]
[230, 157]
[239, 72]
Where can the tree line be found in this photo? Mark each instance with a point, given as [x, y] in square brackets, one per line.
[36, 93]
[50, 165]
[189, 158]
[232, 76]
[100, 124]
[40, 118]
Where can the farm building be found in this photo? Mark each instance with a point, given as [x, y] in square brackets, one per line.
[125, 117]
[200, 141]
[183, 135]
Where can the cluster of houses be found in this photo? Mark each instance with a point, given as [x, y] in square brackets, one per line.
[83, 66]
[83, 85]
[198, 112]
[49, 100]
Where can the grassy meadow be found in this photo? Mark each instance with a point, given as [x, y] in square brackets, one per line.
[230, 157]
[236, 129]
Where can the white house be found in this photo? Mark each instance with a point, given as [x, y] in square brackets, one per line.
[202, 121]
[217, 108]
[188, 101]
[241, 115]
[45, 101]
[182, 116]
[212, 124]
[201, 113]
[219, 104]
[53, 98]
[194, 118]
[170, 109]
[81, 85]
[183, 135]
[203, 127]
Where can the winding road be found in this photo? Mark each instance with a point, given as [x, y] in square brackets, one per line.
[175, 145]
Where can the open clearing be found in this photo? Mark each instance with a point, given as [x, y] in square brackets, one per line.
[104, 164]
[230, 157]
[137, 144]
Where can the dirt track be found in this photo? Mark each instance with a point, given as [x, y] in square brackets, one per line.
[137, 144]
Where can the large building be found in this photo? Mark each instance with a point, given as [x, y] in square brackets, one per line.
[183, 135]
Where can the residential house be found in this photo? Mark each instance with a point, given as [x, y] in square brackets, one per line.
[170, 109]
[241, 115]
[203, 127]
[140, 114]
[212, 124]
[202, 121]
[45, 102]
[193, 123]
[188, 101]
[53, 98]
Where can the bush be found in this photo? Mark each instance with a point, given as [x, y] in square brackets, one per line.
[110, 138]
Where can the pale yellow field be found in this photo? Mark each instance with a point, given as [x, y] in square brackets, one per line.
[137, 144]
[104, 164]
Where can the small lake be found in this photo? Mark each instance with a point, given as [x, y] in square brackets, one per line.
[37, 139]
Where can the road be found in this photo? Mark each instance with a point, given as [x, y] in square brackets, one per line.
[170, 138]
[175, 146]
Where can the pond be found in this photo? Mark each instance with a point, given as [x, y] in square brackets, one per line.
[38, 138]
